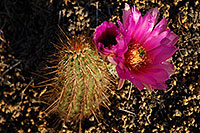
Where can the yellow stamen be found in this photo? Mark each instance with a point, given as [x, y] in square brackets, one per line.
[135, 57]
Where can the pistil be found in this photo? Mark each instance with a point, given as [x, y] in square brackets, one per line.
[135, 57]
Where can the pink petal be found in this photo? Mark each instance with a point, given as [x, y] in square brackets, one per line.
[138, 84]
[136, 14]
[104, 50]
[121, 26]
[143, 77]
[168, 67]
[145, 25]
[160, 27]
[148, 87]
[155, 41]
[120, 84]
[154, 16]
[165, 41]
[160, 86]
[165, 38]
[131, 27]
[106, 33]
[140, 31]
[122, 46]
[122, 71]
[161, 53]
[126, 13]
[151, 17]
[157, 72]
[100, 29]
[111, 59]
[173, 39]
[156, 35]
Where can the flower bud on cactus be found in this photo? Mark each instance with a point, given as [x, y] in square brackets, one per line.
[81, 80]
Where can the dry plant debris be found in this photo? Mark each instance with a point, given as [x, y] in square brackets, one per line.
[30, 31]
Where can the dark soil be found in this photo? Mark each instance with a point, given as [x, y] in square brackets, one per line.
[29, 27]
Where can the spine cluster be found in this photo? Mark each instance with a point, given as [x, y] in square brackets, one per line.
[81, 80]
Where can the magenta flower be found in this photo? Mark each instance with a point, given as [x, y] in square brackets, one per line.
[107, 38]
[145, 48]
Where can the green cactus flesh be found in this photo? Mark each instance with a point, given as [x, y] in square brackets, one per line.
[82, 80]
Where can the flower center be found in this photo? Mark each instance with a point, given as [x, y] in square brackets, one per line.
[108, 37]
[135, 57]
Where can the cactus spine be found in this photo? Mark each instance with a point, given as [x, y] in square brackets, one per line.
[81, 80]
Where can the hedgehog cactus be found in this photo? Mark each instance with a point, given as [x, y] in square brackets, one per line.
[81, 80]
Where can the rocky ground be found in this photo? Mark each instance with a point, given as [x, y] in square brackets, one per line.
[29, 27]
